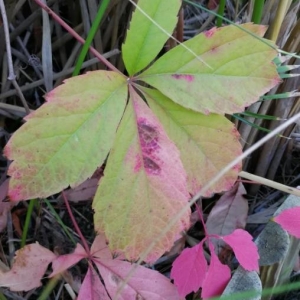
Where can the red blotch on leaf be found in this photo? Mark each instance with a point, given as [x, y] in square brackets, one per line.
[188, 78]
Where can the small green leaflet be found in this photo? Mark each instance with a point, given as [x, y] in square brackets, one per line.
[144, 38]
[241, 70]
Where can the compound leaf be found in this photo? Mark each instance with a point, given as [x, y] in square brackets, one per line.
[143, 188]
[65, 140]
[144, 38]
[199, 138]
[233, 76]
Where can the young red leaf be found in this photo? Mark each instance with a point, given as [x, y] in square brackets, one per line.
[143, 188]
[244, 249]
[199, 138]
[66, 139]
[228, 214]
[189, 270]
[64, 262]
[290, 221]
[217, 276]
[31, 263]
[92, 288]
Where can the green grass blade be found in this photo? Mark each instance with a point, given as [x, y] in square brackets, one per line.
[90, 36]
[221, 10]
[59, 221]
[259, 116]
[31, 205]
[257, 11]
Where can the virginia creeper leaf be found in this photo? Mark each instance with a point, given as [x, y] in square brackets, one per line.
[289, 220]
[92, 288]
[64, 141]
[239, 69]
[199, 138]
[143, 188]
[144, 38]
[217, 276]
[189, 270]
[144, 283]
[244, 249]
[228, 214]
[64, 262]
[30, 265]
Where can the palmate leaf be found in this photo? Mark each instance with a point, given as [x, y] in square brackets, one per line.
[199, 138]
[64, 141]
[144, 186]
[144, 38]
[239, 69]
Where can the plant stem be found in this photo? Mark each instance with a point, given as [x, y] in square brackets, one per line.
[83, 240]
[75, 35]
[90, 37]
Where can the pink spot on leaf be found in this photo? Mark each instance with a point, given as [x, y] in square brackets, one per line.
[188, 78]
[210, 33]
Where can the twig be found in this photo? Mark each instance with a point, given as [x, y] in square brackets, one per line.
[270, 183]
[11, 74]
[75, 35]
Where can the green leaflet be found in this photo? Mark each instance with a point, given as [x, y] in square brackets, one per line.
[143, 188]
[207, 143]
[65, 140]
[144, 38]
[239, 70]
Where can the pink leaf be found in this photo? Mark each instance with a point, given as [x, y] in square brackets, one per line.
[244, 249]
[143, 284]
[30, 265]
[290, 221]
[92, 287]
[189, 269]
[63, 262]
[217, 276]
[229, 213]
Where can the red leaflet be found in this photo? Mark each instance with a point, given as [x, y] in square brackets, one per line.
[217, 276]
[290, 221]
[244, 249]
[189, 270]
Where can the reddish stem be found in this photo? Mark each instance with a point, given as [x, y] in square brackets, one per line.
[83, 240]
[201, 218]
[76, 35]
